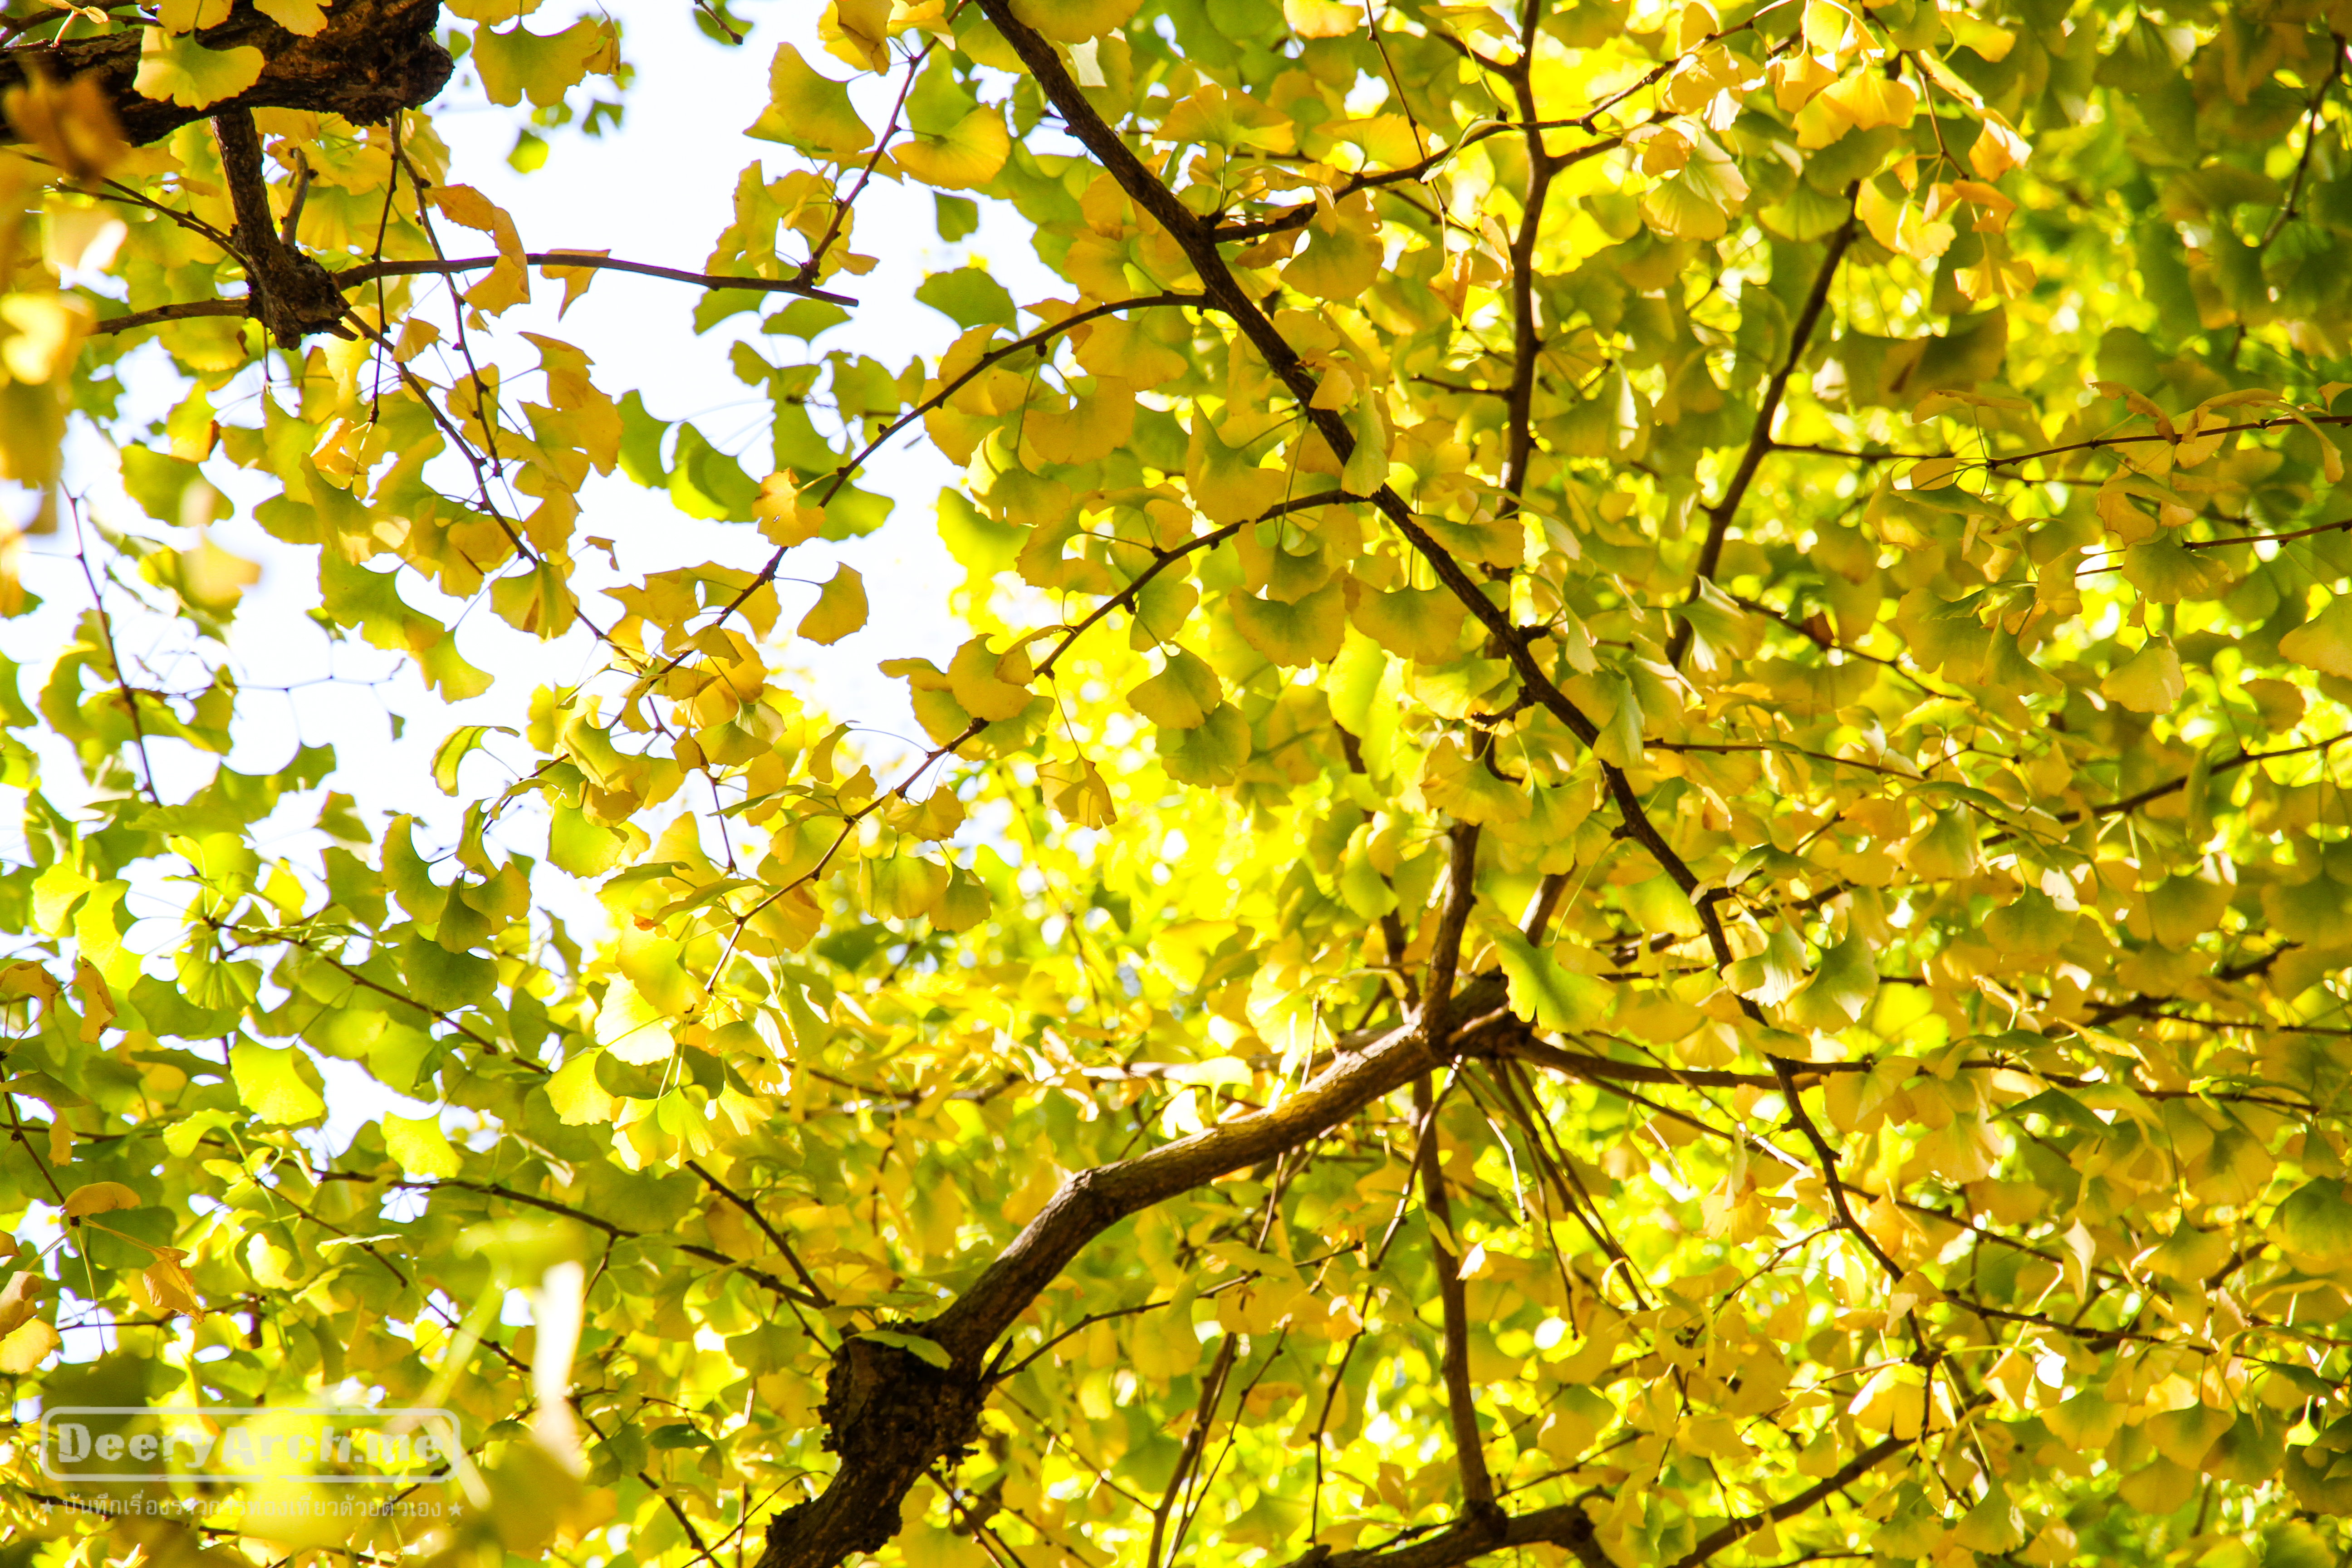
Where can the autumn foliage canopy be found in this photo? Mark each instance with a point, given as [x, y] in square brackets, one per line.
[1637, 854]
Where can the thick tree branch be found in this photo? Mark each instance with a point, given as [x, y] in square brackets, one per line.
[891, 1415]
[372, 59]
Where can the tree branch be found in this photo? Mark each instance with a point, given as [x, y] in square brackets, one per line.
[1454, 1359]
[1759, 436]
[372, 59]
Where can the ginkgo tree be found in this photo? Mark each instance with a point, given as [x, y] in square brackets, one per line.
[1636, 856]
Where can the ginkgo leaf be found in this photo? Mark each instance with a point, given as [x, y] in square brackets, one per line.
[1412, 623]
[2323, 642]
[1209, 752]
[1771, 976]
[518, 63]
[278, 1086]
[303, 18]
[1224, 483]
[1544, 993]
[2169, 573]
[420, 1146]
[1074, 21]
[857, 32]
[840, 608]
[1307, 631]
[1181, 696]
[100, 1197]
[989, 685]
[192, 15]
[176, 68]
[1342, 253]
[964, 158]
[1840, 987]
[27, 1346]
[809, 111]
[1322, 18]
[2150, 680]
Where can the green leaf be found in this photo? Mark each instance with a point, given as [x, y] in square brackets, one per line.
[278, 1086]
[1307, 631]
[1421, 623]
[1840, 989]
[1181, 696]
[1209, 752]
[970, 297]
[2169, 573]
[1545, 993]
[462, 744]
[420, 1146]
[1770, 977]
[442, 980]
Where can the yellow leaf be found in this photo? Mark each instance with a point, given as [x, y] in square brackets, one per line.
[968, 156]
[1423, 624]
[1307, 631]
[839, 610]
[1869, 98]
[1181, 696]
[191, 15]
[1074, 21]
[1322, 18]
[73, 125]
[1342, 255]
[303, 18]
[1077, 793]
[100, 1197]
[420, 1146]
[27, 1347]
[809, 111]
[857, 33]
[1997, 149]
[785, 518]
[2323, 642]
[2150, 680]
[178, 70]
[631, 1027]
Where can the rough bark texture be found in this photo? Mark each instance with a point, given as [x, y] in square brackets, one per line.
[285, 290]
[892, 1416]
[374, 58]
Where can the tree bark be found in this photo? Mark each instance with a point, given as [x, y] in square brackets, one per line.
[374, 58]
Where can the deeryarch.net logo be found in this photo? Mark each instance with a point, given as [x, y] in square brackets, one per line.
[221, 1444]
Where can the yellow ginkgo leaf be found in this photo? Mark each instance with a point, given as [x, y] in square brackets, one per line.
[175, 69]
[1074, 21]
[100, 1197]
[2323, 642]
[2150, 681]
[968, 156]
[1322, 18]
[839, 610]
[809, 111]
